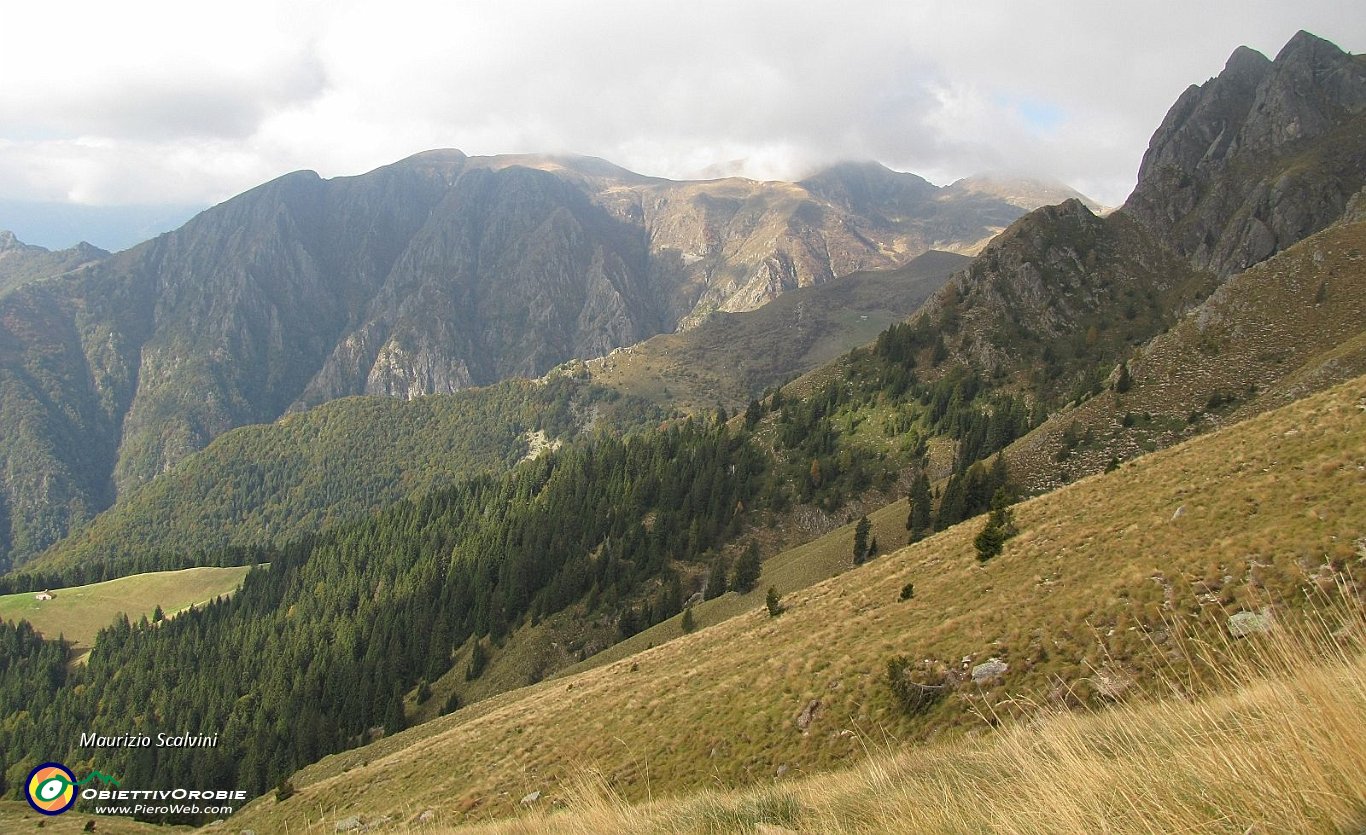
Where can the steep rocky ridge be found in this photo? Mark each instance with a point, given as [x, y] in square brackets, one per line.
[1257, 158]
[1282, 330]
[514, 271]
[112, 373]
[1242, 167]
[1059, 294]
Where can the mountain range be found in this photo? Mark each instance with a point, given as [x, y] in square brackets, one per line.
[428, 276]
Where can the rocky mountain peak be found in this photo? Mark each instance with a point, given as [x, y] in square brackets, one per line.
[1200, 128]
[1307, 47]
[1258, 157]
[9, 241]
[1313, 87]
[87, 250]
[1246, 63]
[1071, 208]
[1069, 215]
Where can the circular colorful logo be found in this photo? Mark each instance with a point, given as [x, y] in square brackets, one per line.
[51, 788]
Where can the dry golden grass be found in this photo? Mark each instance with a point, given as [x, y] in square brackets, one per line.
[18, 816]
[1256, 514]
[1278, 746]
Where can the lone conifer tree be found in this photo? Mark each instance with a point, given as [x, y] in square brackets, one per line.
[748, 568]
[774, 603]
[861, 531]
[1124, 382]
[716, 578]
[1000, 526]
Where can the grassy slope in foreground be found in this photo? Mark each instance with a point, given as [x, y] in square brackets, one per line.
[1262, 510]
[79, 612]
[1281, 752]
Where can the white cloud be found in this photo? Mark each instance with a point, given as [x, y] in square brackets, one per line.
[151, 101]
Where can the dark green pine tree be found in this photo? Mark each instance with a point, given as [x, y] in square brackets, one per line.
[998, 477]
[773, 602]
[989, 541]
[1124, 382]
[1000, 526]
[747, 569]
[716, 578]
[921, 516]
[1001, 512]
[394, 720]
[861, 531]
[753, 413]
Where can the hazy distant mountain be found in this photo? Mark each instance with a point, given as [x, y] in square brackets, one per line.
[1026, 192]
[435, 273]
[21, 262]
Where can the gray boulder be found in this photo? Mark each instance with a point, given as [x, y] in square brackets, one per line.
[1243, 624]
[992, 668]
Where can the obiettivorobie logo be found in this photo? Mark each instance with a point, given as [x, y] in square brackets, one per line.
[51, 787]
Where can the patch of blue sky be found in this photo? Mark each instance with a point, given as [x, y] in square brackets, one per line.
[1043, 117]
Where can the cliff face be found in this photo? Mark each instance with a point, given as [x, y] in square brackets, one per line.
[1260, 157]
[430, 275]
[513, 271]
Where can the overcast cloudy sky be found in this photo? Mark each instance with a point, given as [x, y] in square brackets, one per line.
[148, 102]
